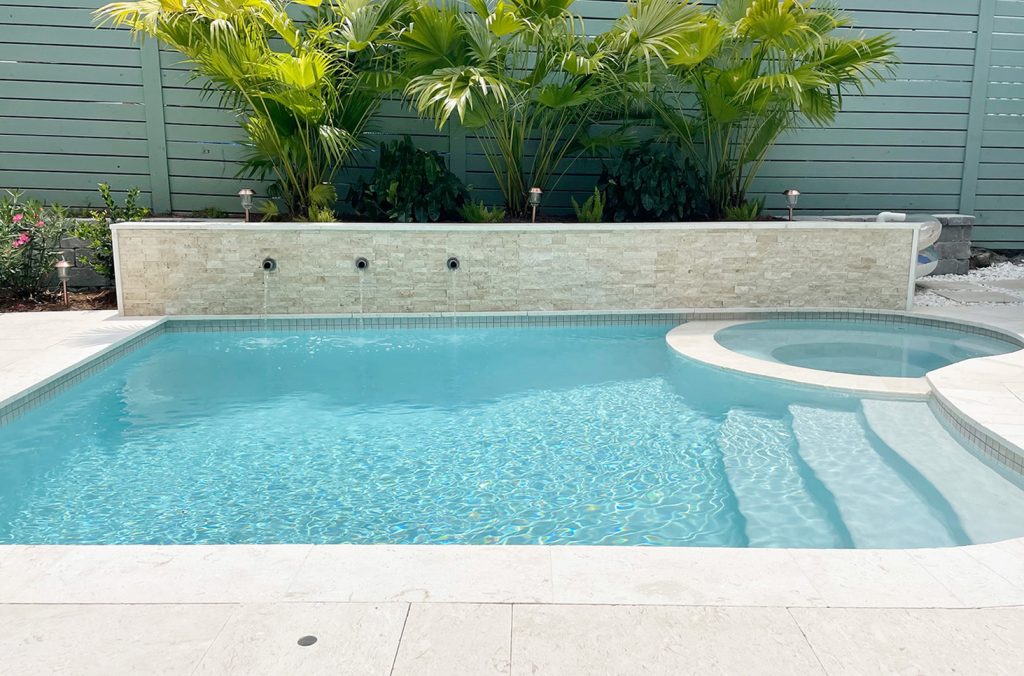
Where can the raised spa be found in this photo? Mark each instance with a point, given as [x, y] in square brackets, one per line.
[867, 348]
[597, 435]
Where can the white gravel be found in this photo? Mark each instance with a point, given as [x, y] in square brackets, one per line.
[980, 278]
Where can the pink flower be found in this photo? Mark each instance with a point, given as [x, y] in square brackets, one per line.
[40, 224]
[18, 217]
[22, 240]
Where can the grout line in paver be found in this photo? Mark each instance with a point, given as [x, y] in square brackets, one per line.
[401, 635]
[996, 573]
[806, 640]
[298, 570]
[1006, 606]
[511, 634]
[231, 615]
[943, 585]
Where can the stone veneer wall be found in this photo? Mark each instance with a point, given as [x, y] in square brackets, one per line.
[214, 269]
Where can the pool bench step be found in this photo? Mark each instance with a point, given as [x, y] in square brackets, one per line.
[876, 503]
[757, 452]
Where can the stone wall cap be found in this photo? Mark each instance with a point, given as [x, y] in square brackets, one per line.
[954, 219]
[510, 227]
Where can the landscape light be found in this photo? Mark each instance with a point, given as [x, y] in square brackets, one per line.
[63, 268]
[534, 198]
[792, 197]
[246, 195]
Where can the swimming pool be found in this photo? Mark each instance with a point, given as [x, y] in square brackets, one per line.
[599, 435]
[891, 349]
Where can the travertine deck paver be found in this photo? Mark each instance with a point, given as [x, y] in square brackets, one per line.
[455, 639]
[507, 610]
[521, 639]
[37, 346]
[353, 639]
[979, 296]
[934, 284]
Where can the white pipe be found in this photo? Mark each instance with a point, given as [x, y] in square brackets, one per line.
[890, 217]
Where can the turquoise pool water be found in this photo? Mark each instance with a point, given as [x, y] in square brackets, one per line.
[558, 436]
[861, 348]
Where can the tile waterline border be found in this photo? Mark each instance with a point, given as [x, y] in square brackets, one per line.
[48, 388]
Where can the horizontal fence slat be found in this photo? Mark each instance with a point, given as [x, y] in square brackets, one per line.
[71, 112]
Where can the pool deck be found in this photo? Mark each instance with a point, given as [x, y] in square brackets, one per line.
[509, 610]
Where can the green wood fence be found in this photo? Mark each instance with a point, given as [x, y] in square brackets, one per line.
[80, 105]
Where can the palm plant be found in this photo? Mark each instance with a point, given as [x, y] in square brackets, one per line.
[520, 74]
[744, 72]
[303, 89]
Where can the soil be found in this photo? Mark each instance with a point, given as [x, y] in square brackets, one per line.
[103, 299]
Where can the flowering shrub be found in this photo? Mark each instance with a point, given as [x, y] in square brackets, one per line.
[96, 231]
[30, 237]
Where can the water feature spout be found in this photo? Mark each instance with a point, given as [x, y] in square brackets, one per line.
[453, 266]
[362, 265]
[269, 265]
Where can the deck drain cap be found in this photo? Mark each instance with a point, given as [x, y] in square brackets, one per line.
[307, 641]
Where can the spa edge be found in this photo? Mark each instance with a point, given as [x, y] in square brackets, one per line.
[232, 268]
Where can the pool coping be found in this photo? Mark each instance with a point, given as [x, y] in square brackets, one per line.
[696, 340]
[973, 576]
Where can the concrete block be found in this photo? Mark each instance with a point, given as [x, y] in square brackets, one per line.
[954, 219]
[953, 250]
[952, 267]
[81, 278]
[74, 243]
[955, 233]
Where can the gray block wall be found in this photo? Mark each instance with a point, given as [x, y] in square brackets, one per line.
[81, 276]
[954, 245]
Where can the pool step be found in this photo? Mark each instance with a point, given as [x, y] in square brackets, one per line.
[987, 506]
[766, 479]
[877, 504]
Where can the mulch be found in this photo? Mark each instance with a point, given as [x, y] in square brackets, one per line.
[104, 299]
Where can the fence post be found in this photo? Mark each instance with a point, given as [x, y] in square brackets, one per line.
[976, 113]
[156, 134]
[457, 149]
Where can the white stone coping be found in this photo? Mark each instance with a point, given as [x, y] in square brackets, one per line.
[510, 227]
[974, 576]
[696, 340]
[53, 356]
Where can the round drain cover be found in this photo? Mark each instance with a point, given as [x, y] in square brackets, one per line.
[307, 641]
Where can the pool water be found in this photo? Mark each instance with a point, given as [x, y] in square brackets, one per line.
[514, 436]
[891, 349]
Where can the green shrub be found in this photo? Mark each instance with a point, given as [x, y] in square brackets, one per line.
[523, 76]
[592, 210]
[756, 69]
[303, 77]
[750, 210]
[652, 184]
[209, 212]
[478, 212]
[409, 185]
[96, 230]
[30, 236]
